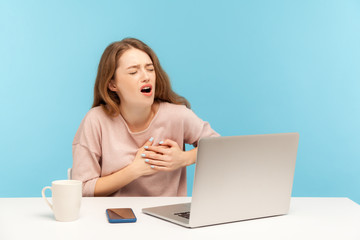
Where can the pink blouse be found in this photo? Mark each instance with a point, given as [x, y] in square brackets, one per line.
[104, 145]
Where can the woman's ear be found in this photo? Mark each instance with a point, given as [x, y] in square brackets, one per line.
[112, 85]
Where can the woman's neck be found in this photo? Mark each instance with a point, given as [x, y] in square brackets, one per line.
[138, 118]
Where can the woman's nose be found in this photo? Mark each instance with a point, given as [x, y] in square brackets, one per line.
[145, 76]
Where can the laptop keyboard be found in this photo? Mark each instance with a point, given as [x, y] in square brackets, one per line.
[183, 215]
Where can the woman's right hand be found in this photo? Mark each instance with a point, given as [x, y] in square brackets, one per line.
[111, 183]
[139, 165]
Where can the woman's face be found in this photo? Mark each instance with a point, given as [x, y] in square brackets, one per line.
[134, 79]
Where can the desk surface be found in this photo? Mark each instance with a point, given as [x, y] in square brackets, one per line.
[309, 218]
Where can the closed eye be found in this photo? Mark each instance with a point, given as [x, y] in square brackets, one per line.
[149, 67]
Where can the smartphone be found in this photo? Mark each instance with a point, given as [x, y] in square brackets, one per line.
[120, 215]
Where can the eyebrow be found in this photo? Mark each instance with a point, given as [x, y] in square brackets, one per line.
[138, 65]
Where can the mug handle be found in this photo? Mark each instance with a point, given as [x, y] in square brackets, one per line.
[43, 195]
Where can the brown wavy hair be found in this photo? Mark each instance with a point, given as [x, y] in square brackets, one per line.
[108, 99]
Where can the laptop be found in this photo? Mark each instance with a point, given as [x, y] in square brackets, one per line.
[237, 178]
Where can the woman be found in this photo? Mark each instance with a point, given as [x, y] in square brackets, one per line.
[131, 143]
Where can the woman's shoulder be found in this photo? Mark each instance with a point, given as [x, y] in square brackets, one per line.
[96, 112]
[96, 115]
[178, 111]
[89, 127]
[172, 107]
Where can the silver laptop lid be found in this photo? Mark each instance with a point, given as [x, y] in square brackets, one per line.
[243, 177]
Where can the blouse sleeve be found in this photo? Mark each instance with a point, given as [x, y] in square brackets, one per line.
[195, 128]
[87, 154]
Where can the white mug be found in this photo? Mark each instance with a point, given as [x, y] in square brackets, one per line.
[66, 199]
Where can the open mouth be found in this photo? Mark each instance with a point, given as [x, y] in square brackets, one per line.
[146, 90]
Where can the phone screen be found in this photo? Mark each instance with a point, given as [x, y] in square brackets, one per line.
[118, 215]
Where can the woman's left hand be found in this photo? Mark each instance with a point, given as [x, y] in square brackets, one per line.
[167, 156]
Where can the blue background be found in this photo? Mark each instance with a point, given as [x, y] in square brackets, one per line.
[247, 67]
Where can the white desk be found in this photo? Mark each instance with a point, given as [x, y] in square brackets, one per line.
[309, 218]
